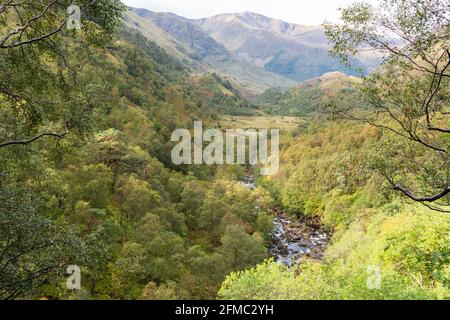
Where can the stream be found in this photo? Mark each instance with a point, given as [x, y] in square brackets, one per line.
[293, 241]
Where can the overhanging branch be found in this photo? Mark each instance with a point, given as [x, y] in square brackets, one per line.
[410, 195]
[30, 140]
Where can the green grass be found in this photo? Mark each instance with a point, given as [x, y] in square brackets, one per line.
[260, 122]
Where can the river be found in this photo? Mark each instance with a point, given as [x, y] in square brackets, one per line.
[293, 241]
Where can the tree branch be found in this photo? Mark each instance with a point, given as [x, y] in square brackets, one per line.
[410, 195]
[432, 93]
[30, 140]
[20, 30]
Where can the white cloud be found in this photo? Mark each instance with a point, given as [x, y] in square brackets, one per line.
[309, 12]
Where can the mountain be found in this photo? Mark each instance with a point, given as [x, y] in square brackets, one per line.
[171, 45]
[252, 51]
[294, 51]
[202, 45]
[188, 42]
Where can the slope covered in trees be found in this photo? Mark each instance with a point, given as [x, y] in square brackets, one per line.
[86, 170]
[307, 97]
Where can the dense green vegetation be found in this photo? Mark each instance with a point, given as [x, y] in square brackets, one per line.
[97, 189]
[371, 227]
[390, 135]
[308, 97]
[86, 177]
[218, 94]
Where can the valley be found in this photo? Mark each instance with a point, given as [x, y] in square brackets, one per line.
[89, 178]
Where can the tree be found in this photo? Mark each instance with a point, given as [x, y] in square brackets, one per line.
[191, 200]
[33, 249]
[166, 249]
[136, 198]
[174, 220]
[39, 89]
[166, 291]
[128, 271]
[240, 249]
[207, 271]
[109, 148]
[409, 97]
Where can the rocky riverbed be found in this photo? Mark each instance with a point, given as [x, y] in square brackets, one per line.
[293, 241]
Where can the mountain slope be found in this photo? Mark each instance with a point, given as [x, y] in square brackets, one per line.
[121, 200]
[290, 50]
[171, 45]
[308, 96]
[190, 43]
[202, 45]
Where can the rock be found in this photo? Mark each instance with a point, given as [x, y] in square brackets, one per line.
[303, 243]
[279, 247]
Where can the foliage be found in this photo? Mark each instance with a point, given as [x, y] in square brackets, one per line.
[309, 96]
[412, 265]
[106, 196]
[327, 173]
[409, 95]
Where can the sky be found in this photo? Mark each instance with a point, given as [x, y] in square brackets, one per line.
[306, 12]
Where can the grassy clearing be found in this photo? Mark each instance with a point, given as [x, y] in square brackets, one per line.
[261, 122]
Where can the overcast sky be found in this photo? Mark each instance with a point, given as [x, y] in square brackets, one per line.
[309, 12]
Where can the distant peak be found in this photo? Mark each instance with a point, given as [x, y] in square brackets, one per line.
[333, 74]
[239, 14]
[250, 14]
[258, 21]
[244, 15]
[148, 13]
[333, 78]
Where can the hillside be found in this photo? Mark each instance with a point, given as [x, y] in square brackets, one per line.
[96, 204]
[252, 51]
[190, 43]
[308, 96]
[171, 45]
[290, 50]
[325, 173]
[107, 196]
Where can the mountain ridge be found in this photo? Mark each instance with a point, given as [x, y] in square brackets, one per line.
[295, 51]
[261, 21]
[253, 51]
[191, 44]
